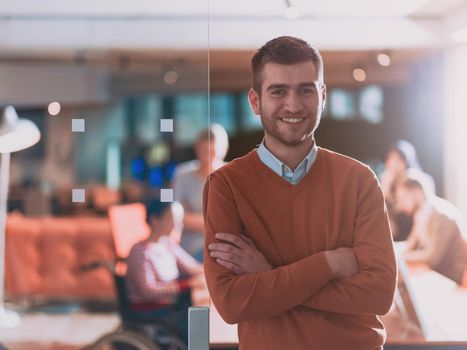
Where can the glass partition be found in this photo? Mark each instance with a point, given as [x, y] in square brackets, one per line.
[119, 94]
[102, 221]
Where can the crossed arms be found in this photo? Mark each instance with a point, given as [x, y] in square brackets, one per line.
[318, 281]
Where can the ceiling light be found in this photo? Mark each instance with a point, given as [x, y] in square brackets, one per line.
[54, 108]
[290, 12]
[383, 59]
[170, 77]
[359, 74]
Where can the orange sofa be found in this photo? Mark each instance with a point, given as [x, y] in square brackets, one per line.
[44, 255]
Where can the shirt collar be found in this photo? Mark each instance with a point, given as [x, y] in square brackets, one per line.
[277, 165]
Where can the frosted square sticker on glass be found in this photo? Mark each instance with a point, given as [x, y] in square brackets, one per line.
[78, 195]
[167, 125]
[167, 195]
[77, 125]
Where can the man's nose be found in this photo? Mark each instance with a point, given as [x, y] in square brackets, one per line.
[293, 103]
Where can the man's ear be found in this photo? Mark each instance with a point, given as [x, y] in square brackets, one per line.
[323, 96]
[253, 97]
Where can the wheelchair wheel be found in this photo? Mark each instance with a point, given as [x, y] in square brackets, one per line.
[124, 340]
[164, 338]
[173, 344]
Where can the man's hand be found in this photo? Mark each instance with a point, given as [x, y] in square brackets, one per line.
[342, 262]
[238, 255]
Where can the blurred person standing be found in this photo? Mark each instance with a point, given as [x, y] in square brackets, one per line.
[400, 158]
[438, 234]
[211, 148]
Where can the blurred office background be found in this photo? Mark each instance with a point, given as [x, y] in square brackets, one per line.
[394, 70]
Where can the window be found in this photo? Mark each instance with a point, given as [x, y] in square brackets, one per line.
[351, 104]
[191, 116]
[148, 111]
[342, 104]
[222, 111]
[371, 104]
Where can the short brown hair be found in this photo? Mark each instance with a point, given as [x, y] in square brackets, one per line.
[284, 50]
[217, 134]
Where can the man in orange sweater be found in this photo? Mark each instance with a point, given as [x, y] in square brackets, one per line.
[298, 246]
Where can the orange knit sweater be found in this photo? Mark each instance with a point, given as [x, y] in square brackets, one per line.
[298, 304]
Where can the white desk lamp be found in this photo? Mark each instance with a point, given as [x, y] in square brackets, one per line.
[15, 135]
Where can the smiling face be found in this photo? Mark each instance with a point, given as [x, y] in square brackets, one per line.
[290, 103]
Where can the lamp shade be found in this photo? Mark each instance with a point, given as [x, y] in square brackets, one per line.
[16, 134]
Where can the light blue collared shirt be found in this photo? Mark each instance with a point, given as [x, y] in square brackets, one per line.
[292, 176]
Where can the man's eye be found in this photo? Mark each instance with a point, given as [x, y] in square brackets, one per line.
[278, 92]
[307, 91]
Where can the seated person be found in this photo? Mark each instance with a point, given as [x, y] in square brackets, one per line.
[400, 159]
[437, 236]
[159, 270]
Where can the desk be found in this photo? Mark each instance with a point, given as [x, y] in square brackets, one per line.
[442, 305]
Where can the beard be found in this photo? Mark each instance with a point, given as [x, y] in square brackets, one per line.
[305, 129]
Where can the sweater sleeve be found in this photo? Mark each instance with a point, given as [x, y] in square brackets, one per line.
[371, 291]
[265, 294]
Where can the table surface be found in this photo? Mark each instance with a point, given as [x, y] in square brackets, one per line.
[442, 305]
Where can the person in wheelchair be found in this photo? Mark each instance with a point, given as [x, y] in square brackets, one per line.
[159, 271]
